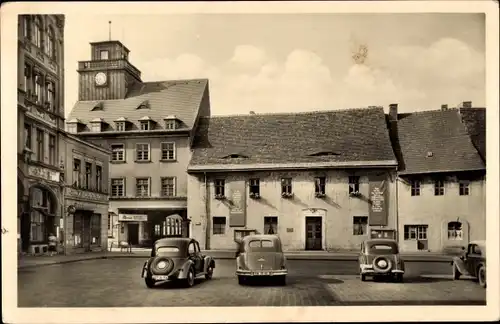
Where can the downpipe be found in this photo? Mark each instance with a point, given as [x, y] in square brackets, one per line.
[207, 213]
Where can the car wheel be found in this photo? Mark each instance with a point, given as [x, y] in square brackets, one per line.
[399, 277]
[190, 278]
[456, 273]
[241, 280]
[210, 272]
[363, 277]
[282, 280]
[150, 283]
[481, 276]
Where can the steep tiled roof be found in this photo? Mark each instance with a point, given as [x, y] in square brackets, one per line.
[181, 98]
[475, 121]
[436, 141]
[351, 135]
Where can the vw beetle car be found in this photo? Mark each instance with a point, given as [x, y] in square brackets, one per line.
[380, 257]
[175, 259]
[261, 256]
[471, 263]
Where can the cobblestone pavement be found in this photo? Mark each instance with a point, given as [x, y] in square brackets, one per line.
[117, 283]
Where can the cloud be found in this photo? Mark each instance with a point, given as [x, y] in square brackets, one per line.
[415, 77]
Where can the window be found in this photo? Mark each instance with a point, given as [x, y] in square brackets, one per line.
[117, 152]
[38, 88]
[27, 77]
[72, 128]
[359, 225]
[50, 96]
[98, 178]
[142, 152]
[171, 124]
[27, 136]
[254, 187]
[96, 127]
[118, 187]
[38, 32]
[168, 187]
[219, 225]
[88, 175]
[353, 184]
[40, 140]
[145, 125]
[76, 172]
[120, 126]
[52, 149]
[439, 188]
[27, 26]
[142, 187]
[95, 229]
[455, 231]
[44, 209]
[464, 186]
[320, 185]
[270, 225]
[415, 232]
[49, 49]
[157, 229]
[220, 188]
[173, 226]
[286, 185]
[415, 187]
[104, 55]
[168, 151]
[37, 226]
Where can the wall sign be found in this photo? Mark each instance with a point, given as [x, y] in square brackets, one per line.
[43, 173]
[237, 207]
[378, 201]
[132, 218]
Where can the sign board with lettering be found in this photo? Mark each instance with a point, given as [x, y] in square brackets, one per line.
[378, 215]
[237, 204]
[43, 173]
[132, 218]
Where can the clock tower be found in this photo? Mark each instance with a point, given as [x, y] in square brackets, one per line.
[108, 75]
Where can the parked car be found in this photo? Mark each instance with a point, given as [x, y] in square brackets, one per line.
[175, 259]
[471, 263]
[261, 256]
[380, 257]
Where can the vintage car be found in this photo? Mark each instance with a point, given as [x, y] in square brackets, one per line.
[175, 259]
[261, 256]
[471, 263]
[380, 257]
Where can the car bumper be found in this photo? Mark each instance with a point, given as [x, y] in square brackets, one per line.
[371, 270]
[261, 273]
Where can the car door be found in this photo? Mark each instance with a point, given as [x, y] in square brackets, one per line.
[194, 255]
[470, 259]
[200, 257]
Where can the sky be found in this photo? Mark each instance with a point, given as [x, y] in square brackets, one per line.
[298, 62]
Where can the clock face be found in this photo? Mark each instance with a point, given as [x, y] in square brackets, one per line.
[100, 78]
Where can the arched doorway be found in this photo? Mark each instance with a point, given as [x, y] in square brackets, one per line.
[41, 220]
[173, 226]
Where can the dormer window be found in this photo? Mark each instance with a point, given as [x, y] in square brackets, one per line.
[98, 106]
[143, 105]
[171, 122]
[73, 125]
[104, 55]
[96, 125]
[121, 124]
[145, 125]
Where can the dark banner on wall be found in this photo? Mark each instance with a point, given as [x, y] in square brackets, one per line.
[378, 200]
[237, 207]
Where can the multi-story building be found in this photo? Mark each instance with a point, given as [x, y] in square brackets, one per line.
[149, 127]
[442, 177]
[320, 180]
[42, 164]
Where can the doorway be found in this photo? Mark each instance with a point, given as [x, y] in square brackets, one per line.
[314, 230]
[133, 234]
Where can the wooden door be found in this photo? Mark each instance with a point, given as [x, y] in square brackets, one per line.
[86, 231]
[314, 237]
[133, 234]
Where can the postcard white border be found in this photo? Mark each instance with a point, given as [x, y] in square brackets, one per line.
[12, 314]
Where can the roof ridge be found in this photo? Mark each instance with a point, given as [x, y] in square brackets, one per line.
[175, 80]
[427, 111]
[300, 113]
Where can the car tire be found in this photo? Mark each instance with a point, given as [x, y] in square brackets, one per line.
[456, 272]
[282, 280]
[399, 277]
[210, 272]
[150, 283]
[481, 276]
[363, 277]
[190, 278]
[241, 280]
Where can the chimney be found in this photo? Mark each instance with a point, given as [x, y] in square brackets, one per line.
[444, 107]
[467, 104]
[393, 112]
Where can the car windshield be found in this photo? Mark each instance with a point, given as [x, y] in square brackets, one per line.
[167, 250]
[383, 248]
[262, 246]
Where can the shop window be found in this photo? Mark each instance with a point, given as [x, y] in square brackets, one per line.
[219, 225]
[95, 229]
[455, 231]
[270, 225]
[359, 225]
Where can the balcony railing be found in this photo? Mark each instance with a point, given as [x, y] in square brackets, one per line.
[108, 64]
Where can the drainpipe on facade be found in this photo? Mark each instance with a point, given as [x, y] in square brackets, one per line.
[397, 205]
[207, 213]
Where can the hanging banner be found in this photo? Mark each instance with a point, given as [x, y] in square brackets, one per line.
[378, 215]
[237, 203]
